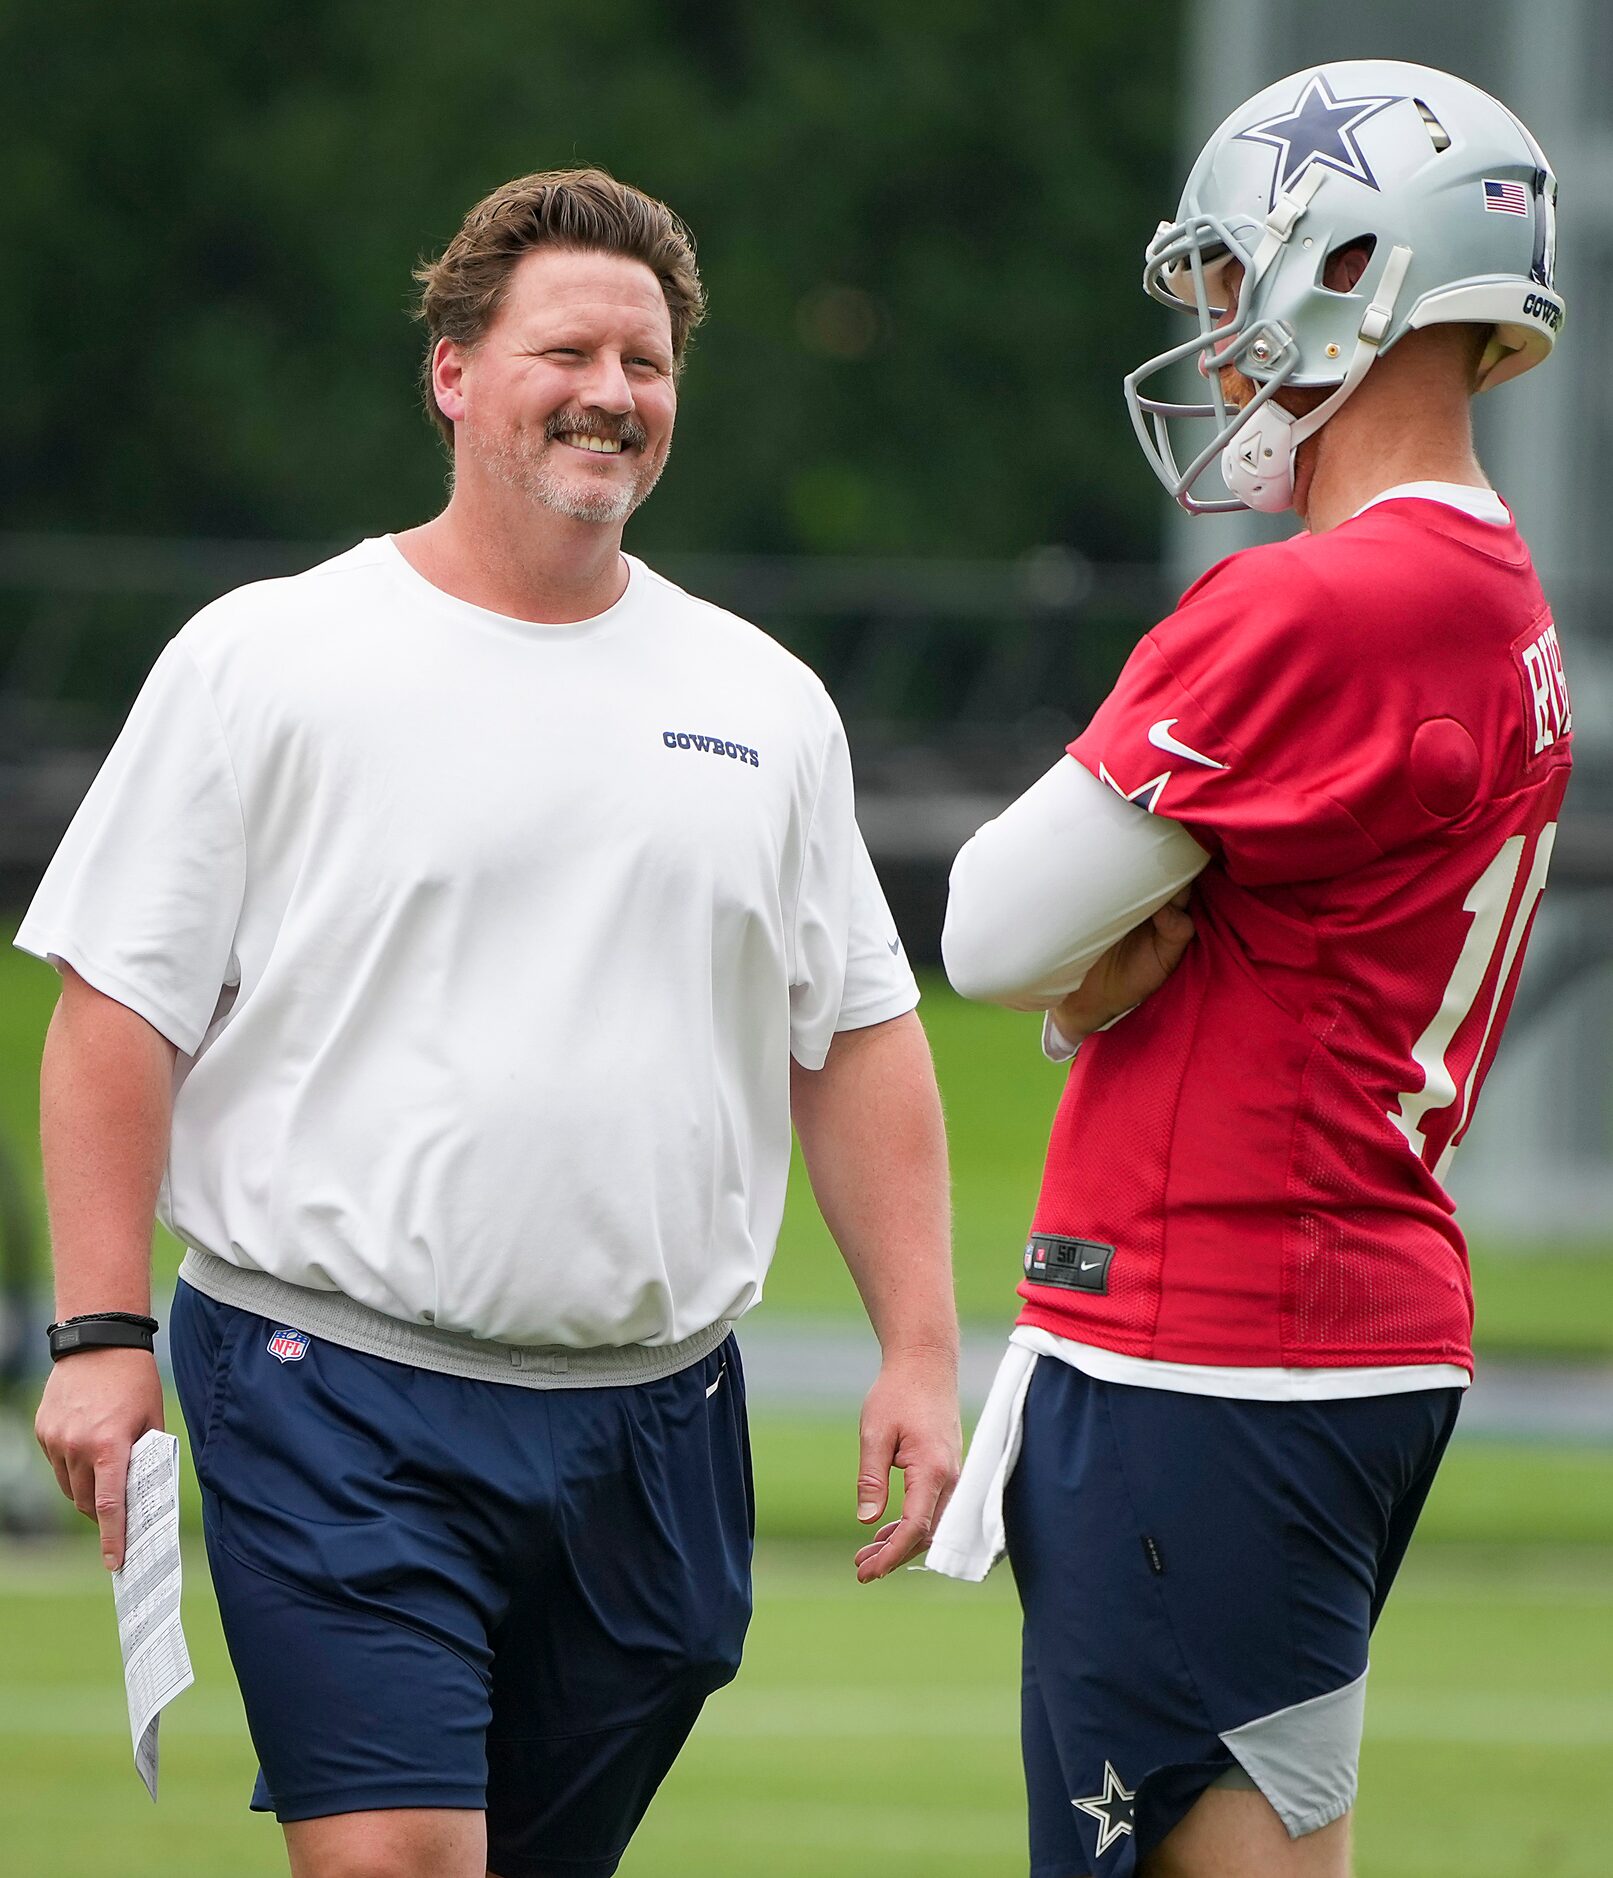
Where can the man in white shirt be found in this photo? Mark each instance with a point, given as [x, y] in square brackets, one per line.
[446, 947]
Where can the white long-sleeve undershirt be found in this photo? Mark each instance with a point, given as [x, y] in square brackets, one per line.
[1039, 894]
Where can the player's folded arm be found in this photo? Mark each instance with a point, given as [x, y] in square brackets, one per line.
[1039, 894]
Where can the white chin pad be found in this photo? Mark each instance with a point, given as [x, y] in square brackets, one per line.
[1258, 464]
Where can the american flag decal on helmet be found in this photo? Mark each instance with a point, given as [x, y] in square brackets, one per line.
[1505, 198]
[289, 1346]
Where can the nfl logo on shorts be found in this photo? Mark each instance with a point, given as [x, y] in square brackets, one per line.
[290, 1346]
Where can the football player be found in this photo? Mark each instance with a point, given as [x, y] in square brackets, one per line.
[1247, 1314]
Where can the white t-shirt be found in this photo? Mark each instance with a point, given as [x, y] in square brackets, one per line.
[485, 944]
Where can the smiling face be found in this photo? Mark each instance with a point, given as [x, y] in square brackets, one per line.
[568, 398]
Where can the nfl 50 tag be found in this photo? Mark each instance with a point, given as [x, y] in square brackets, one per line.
[289, 1346]
[1076, 1264]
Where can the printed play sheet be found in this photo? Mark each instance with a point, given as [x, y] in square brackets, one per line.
[156, 1664]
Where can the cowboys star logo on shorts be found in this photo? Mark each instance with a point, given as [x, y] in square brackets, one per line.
[1112, 1809]
[289, 1346]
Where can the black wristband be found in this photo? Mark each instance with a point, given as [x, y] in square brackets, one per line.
[101, 1330]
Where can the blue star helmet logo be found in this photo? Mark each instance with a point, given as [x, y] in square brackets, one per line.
[1319, 129]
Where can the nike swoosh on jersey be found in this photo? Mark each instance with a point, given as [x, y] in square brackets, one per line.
[1159, 735]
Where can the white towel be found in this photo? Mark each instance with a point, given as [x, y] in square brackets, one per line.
[969, 1539]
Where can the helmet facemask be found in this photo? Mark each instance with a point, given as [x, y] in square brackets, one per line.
[1185, 268]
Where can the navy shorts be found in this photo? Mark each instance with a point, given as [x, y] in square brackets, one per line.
[1200, 1578]
[448, 1593]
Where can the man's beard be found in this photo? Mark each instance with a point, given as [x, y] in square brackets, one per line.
[1235, 388]
[530, 464]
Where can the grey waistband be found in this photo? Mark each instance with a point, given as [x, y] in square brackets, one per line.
[340, 1319]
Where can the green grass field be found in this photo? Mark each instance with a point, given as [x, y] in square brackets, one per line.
[872, 1730]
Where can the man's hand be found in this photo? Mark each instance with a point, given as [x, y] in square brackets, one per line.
[910, 1421]
[871, 1134]
[97, 1404]
[1132, 969]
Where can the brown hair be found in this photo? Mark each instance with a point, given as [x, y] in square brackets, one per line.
[584, 209]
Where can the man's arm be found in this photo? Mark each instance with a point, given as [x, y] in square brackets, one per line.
[1131, 970]
[1059, 879]
[871, 1132]
[105, 1097]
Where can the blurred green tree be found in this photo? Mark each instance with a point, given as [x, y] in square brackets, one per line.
[921, 223]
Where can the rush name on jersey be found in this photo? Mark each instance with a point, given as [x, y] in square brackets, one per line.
[1369, 731]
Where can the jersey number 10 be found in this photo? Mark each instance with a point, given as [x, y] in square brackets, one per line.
[1491, 934]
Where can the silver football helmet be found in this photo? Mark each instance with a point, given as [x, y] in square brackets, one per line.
[1438, 180]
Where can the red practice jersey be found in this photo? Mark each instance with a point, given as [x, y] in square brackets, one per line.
[1369, 732]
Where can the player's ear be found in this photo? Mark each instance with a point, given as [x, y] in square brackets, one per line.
[448, 379]
[1346, 264]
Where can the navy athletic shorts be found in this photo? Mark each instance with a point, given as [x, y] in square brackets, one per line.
[1200, 1578]
[448, 1593]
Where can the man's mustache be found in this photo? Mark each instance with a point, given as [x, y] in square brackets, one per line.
[627, 431]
